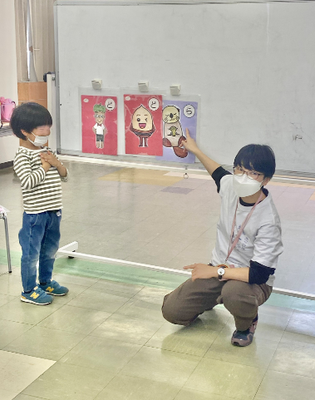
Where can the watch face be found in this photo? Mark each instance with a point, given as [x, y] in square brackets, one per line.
[221, 271]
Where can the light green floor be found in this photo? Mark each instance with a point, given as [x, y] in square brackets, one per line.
[107, 339]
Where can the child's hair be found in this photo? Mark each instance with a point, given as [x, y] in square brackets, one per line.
[258, 157]
[29, 116]
[99, 108]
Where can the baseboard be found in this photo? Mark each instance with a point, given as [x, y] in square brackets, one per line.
[7, 164]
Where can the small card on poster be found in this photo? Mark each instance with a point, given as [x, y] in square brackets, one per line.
[99, 124]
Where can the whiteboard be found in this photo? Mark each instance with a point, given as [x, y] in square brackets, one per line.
[252, 64]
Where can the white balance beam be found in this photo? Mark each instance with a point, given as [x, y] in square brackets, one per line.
[70, 250]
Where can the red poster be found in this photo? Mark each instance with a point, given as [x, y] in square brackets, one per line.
[99, 124]
[143, 124]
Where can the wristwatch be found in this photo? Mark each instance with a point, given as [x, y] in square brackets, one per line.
[221, 271]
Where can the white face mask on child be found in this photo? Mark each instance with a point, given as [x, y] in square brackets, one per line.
[39, 141]
[245, 186]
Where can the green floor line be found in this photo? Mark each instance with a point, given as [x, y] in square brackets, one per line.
[15, 258]
[144, 277]
[118, 273]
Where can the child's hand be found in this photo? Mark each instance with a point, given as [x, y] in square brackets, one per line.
[45, 164]
[50, 158]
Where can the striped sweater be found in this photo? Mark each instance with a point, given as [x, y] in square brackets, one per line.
[41, 190]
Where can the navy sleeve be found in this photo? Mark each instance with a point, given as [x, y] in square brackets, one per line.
[259, 273]
[218, 174]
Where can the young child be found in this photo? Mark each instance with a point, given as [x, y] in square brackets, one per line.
[248, 244]
[40, 173]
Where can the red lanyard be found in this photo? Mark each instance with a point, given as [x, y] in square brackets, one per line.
[232, 245]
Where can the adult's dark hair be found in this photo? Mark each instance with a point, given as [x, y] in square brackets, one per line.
[258, 157]
[29, 116]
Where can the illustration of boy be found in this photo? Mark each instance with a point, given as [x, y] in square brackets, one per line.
[99, 128]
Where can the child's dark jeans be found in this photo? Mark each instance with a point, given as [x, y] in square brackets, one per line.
[39, 239]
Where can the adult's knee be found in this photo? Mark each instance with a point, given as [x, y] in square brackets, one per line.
[238, 298]
[172, 311]
[168, 310]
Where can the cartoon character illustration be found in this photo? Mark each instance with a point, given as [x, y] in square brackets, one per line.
[142, 125]
[173, 133]
[99, 128]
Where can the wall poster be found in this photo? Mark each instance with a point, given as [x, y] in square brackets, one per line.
[99, 124]
[143, 124]
[178, 115]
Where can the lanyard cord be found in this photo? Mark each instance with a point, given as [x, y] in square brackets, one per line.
[232, 245]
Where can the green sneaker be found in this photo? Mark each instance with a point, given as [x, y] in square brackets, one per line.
[37, 296]
[54, 288]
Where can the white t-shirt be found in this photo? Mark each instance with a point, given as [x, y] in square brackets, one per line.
[260, 240]
[99, 129]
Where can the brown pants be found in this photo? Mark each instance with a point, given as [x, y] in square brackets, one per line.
[191, 299]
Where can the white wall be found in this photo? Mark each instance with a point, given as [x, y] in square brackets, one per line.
[8, 72]
[252, 64]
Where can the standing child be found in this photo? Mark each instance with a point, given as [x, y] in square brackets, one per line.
[248, 244]
[40, 173]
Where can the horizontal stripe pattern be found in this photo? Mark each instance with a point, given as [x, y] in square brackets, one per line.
[41, 190]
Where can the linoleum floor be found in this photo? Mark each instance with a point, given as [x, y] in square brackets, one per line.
[107, 339]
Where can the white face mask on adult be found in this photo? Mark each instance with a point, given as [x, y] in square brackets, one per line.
[39, 141]
[245, 186]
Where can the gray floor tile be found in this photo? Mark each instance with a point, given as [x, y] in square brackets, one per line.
[295, 359]
[81, 383]
[127, 329]
[44, 343]
[161, 366]
[74, 319]
[97, 300]
[282, 386]
[133, 388]
[226, 379]
[186, 394]
[27, 313]
[10, 330]
[109, 338]
[101, 353]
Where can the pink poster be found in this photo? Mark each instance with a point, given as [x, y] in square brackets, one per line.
[143, 124]
[99, 124]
